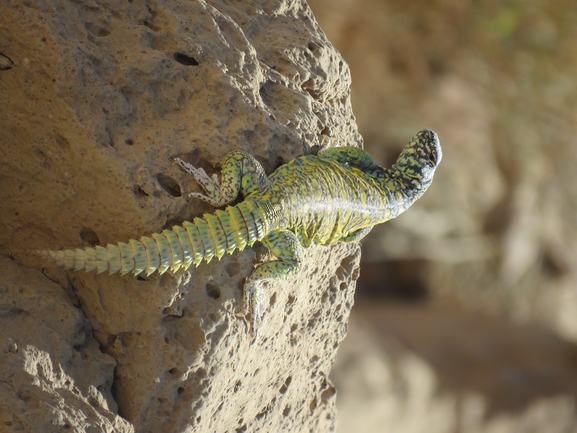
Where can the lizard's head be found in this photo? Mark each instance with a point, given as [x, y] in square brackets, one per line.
[418, 160]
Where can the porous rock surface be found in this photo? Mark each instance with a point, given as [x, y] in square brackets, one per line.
[96, 100]
[53, 373]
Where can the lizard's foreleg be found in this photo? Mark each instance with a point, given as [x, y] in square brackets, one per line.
[241, 174]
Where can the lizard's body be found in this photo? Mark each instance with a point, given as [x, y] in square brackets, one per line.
[336, 196]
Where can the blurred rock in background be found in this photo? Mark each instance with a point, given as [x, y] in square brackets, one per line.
[493, 243]
[413, 369]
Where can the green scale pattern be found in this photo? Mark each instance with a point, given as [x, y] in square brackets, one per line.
[336, 196]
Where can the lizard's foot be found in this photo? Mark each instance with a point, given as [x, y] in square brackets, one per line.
[327, 142]
[253, 300]
[241, 174]
[210, 185]
[198, 173]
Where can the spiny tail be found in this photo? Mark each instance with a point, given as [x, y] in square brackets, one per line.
[202, 239]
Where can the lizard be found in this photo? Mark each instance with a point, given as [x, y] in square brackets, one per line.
[337, 195]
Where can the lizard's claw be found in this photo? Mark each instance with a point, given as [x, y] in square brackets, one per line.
[204, 180]
[327, 142]
[185, 165]
[252, 303]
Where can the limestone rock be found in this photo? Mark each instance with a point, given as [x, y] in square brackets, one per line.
[99, 98]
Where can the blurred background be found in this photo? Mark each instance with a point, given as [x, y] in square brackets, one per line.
[466, 310]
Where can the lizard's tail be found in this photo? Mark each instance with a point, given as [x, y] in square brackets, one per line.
[202, 239]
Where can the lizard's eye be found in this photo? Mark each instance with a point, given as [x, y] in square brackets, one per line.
[433, 156]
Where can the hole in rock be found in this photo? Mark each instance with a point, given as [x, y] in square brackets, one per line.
[312, 46]
[170, 185]
[139, 192]
[313, 404]
[5, 62]
[185, 60]
[267, 91]
[285, 386]
[237, 386]
[89, 236]
[232, 269]
[212, 291]
[327, 394]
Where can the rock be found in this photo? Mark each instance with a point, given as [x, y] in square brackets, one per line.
[427, 368]
[54, 375]
[98, 101]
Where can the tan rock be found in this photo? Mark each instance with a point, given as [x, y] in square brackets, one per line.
[54, 375]
[99, 100]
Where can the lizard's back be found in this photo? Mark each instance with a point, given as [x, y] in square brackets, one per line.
[323, 200]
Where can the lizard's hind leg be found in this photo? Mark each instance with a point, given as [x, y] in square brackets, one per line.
[241, 174]
[282, 244]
